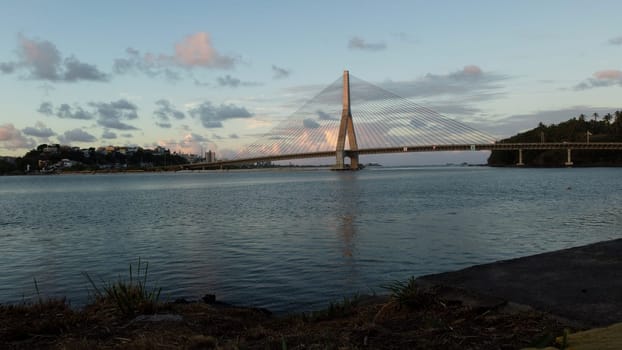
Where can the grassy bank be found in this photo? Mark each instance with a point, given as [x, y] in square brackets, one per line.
[128, 314]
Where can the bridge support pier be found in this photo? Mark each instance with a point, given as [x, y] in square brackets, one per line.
[354, 161]
[520, 157]
[568, 158]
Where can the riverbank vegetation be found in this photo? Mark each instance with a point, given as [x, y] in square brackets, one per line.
[409, 317]
[594, 128]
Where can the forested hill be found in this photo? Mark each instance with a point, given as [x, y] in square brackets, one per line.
[606, 128]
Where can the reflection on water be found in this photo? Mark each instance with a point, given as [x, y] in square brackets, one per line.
[347, 197]
[347, 234]
[290, 240]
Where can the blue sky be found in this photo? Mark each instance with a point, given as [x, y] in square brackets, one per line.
[192, 75]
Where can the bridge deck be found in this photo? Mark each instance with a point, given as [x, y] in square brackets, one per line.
[424, 148]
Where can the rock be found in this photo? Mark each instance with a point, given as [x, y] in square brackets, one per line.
[209, 298]
[158, 318]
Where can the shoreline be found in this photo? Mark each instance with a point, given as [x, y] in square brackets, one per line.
[505, 304]
[312, 168]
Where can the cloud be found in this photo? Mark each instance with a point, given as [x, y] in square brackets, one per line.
[310, 124]
[608, 75]
[109, 135]
[325, 116]
[195, 137]
[76, 70]
[46, 88]
[280, 73]
[196, 50]
[234, 136]
[213, 116]
[7, 67]
[39, 131]
[616, 41]
[46, 108]
[197, 82]
[604, 78]
[461, 87]
[468, 72]
[76, 135]
[358, 43]
[165, 112]
[403, 36]
[469, 80]
[12, 138]
[230, 81]
[134, 62]
[65, 111]
[44, 61]
[111, 115]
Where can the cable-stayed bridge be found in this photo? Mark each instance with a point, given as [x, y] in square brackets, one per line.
[351, 117]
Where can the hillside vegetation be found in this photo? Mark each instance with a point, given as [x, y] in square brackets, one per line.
[607, 128]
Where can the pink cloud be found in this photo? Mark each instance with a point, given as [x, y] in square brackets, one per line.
[12, 138]
[472, 70]
[610, 74]
[196, 50]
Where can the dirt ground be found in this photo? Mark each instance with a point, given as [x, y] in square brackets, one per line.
[437, 320]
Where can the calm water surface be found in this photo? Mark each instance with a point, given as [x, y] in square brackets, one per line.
[290, 240]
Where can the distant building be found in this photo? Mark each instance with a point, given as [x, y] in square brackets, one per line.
[159, 150]
[210, 156]
[50, 150]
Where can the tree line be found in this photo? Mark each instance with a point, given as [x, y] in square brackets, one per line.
[37, 159]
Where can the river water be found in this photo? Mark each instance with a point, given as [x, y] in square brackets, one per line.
[290, 240]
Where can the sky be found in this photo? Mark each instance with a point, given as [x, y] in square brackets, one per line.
[199, 75]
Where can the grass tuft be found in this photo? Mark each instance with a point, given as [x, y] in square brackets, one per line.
[335, 309]
[407, 293]
[131, 297]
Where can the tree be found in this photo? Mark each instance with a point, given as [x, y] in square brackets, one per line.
[608, 117]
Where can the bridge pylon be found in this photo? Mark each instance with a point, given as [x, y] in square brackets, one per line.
[346, 129]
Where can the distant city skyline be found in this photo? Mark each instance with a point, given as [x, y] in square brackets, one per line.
[192, 76]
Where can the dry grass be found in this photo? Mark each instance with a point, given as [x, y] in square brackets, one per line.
[353, 323]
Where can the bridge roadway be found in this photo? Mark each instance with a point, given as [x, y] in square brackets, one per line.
[426, 148]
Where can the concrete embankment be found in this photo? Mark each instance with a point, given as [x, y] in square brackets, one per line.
[582, 284]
